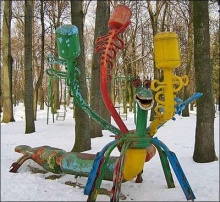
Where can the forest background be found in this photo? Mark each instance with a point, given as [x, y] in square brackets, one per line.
[28, 38]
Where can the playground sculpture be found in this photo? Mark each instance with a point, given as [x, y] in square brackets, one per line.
[136, 146]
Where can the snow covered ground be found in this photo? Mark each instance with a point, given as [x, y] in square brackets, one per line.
[29, 184]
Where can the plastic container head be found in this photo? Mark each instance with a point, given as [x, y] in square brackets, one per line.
[166, 50]
[67, 39]
[120, 17]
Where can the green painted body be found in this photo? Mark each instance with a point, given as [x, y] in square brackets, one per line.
[144, 140]
[81, 164]
[58, 161]
[141, 122]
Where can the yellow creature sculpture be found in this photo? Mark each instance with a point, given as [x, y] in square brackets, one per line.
[167, 57]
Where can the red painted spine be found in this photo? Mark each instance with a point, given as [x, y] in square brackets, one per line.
[105, 65]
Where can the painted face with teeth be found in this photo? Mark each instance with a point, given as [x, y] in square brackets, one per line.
[143, 94]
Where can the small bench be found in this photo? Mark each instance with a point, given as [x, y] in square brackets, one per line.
[61, 114]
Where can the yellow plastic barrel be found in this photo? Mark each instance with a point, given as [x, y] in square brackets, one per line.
[134, 163]
[166, 50]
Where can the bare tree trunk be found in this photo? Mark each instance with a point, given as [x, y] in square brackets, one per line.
[130, 95]
[0, 66]
[82, 135]
[55, 13]
[41, 73]
[204, 150]
[189, 69]
[28, 98]
[154, 23]
[102, 17]
[7, 64]
[41, 97]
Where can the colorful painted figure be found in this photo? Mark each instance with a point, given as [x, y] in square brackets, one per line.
[136, 146]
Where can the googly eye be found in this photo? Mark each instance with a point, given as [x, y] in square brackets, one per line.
[137, 83]
[147, 83]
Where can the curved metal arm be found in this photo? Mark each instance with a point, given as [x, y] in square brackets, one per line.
[181, 105]
[75, 92]
[52, 59]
